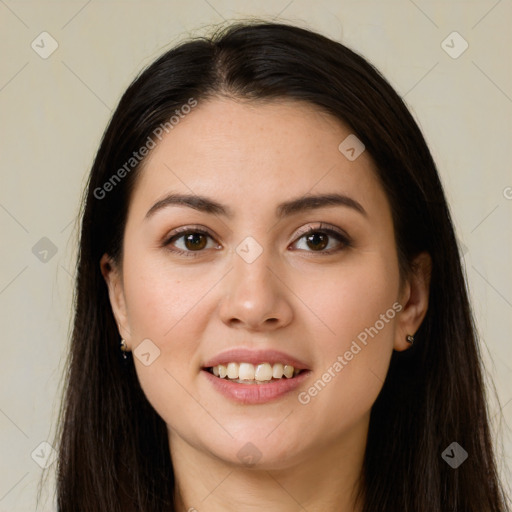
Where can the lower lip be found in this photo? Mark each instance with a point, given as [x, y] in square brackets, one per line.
[256, 393]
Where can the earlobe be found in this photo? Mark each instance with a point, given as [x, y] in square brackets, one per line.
[414, 299]
[112, 275]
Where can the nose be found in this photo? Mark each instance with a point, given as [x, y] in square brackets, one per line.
[255, 297]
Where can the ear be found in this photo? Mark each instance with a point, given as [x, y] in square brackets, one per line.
[113, 277]
[414, 300]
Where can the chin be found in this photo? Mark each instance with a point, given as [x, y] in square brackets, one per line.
[259, 451]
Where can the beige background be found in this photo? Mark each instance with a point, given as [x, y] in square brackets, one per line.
[54, 110]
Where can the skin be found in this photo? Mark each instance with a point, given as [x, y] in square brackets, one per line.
[251, 157]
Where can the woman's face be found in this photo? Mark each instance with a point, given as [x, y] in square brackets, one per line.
[245, 277]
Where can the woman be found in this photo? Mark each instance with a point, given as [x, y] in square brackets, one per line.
[270, 307]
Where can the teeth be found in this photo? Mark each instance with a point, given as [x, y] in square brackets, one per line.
[277, 371]
[263, 372]
[222, 371]
[232, 369]
[288, 371]
[245, 371]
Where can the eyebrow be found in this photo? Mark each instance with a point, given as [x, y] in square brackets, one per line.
[286, 209]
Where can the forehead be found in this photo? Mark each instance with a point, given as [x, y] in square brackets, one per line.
[256, 153]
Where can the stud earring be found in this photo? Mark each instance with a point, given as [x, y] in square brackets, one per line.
[410, 339]
[124, 348]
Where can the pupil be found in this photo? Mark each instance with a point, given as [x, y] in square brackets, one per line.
[194, 241]
[317, 241]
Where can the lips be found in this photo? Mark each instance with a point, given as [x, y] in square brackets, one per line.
[254, 394]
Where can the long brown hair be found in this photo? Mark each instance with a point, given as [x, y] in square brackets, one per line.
[113, 446]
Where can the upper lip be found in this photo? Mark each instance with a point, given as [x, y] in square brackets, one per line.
[244, 355]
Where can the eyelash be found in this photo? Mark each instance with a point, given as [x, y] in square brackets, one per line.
[323, 229]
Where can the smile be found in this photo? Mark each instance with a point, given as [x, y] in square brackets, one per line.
[248, 373]
[252, 391]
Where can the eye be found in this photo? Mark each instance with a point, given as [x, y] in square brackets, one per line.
[190, 241]
[320, 238]
[187, 241]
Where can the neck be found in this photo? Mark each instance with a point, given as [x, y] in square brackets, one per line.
[322, 478]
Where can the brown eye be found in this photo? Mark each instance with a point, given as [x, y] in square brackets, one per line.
[322, 240]
[195, 241]
[317, 241]
[190, 242]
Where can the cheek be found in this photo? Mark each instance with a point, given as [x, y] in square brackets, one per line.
[166, 306]
[353, 297]
[160, 297]
[356, 303]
